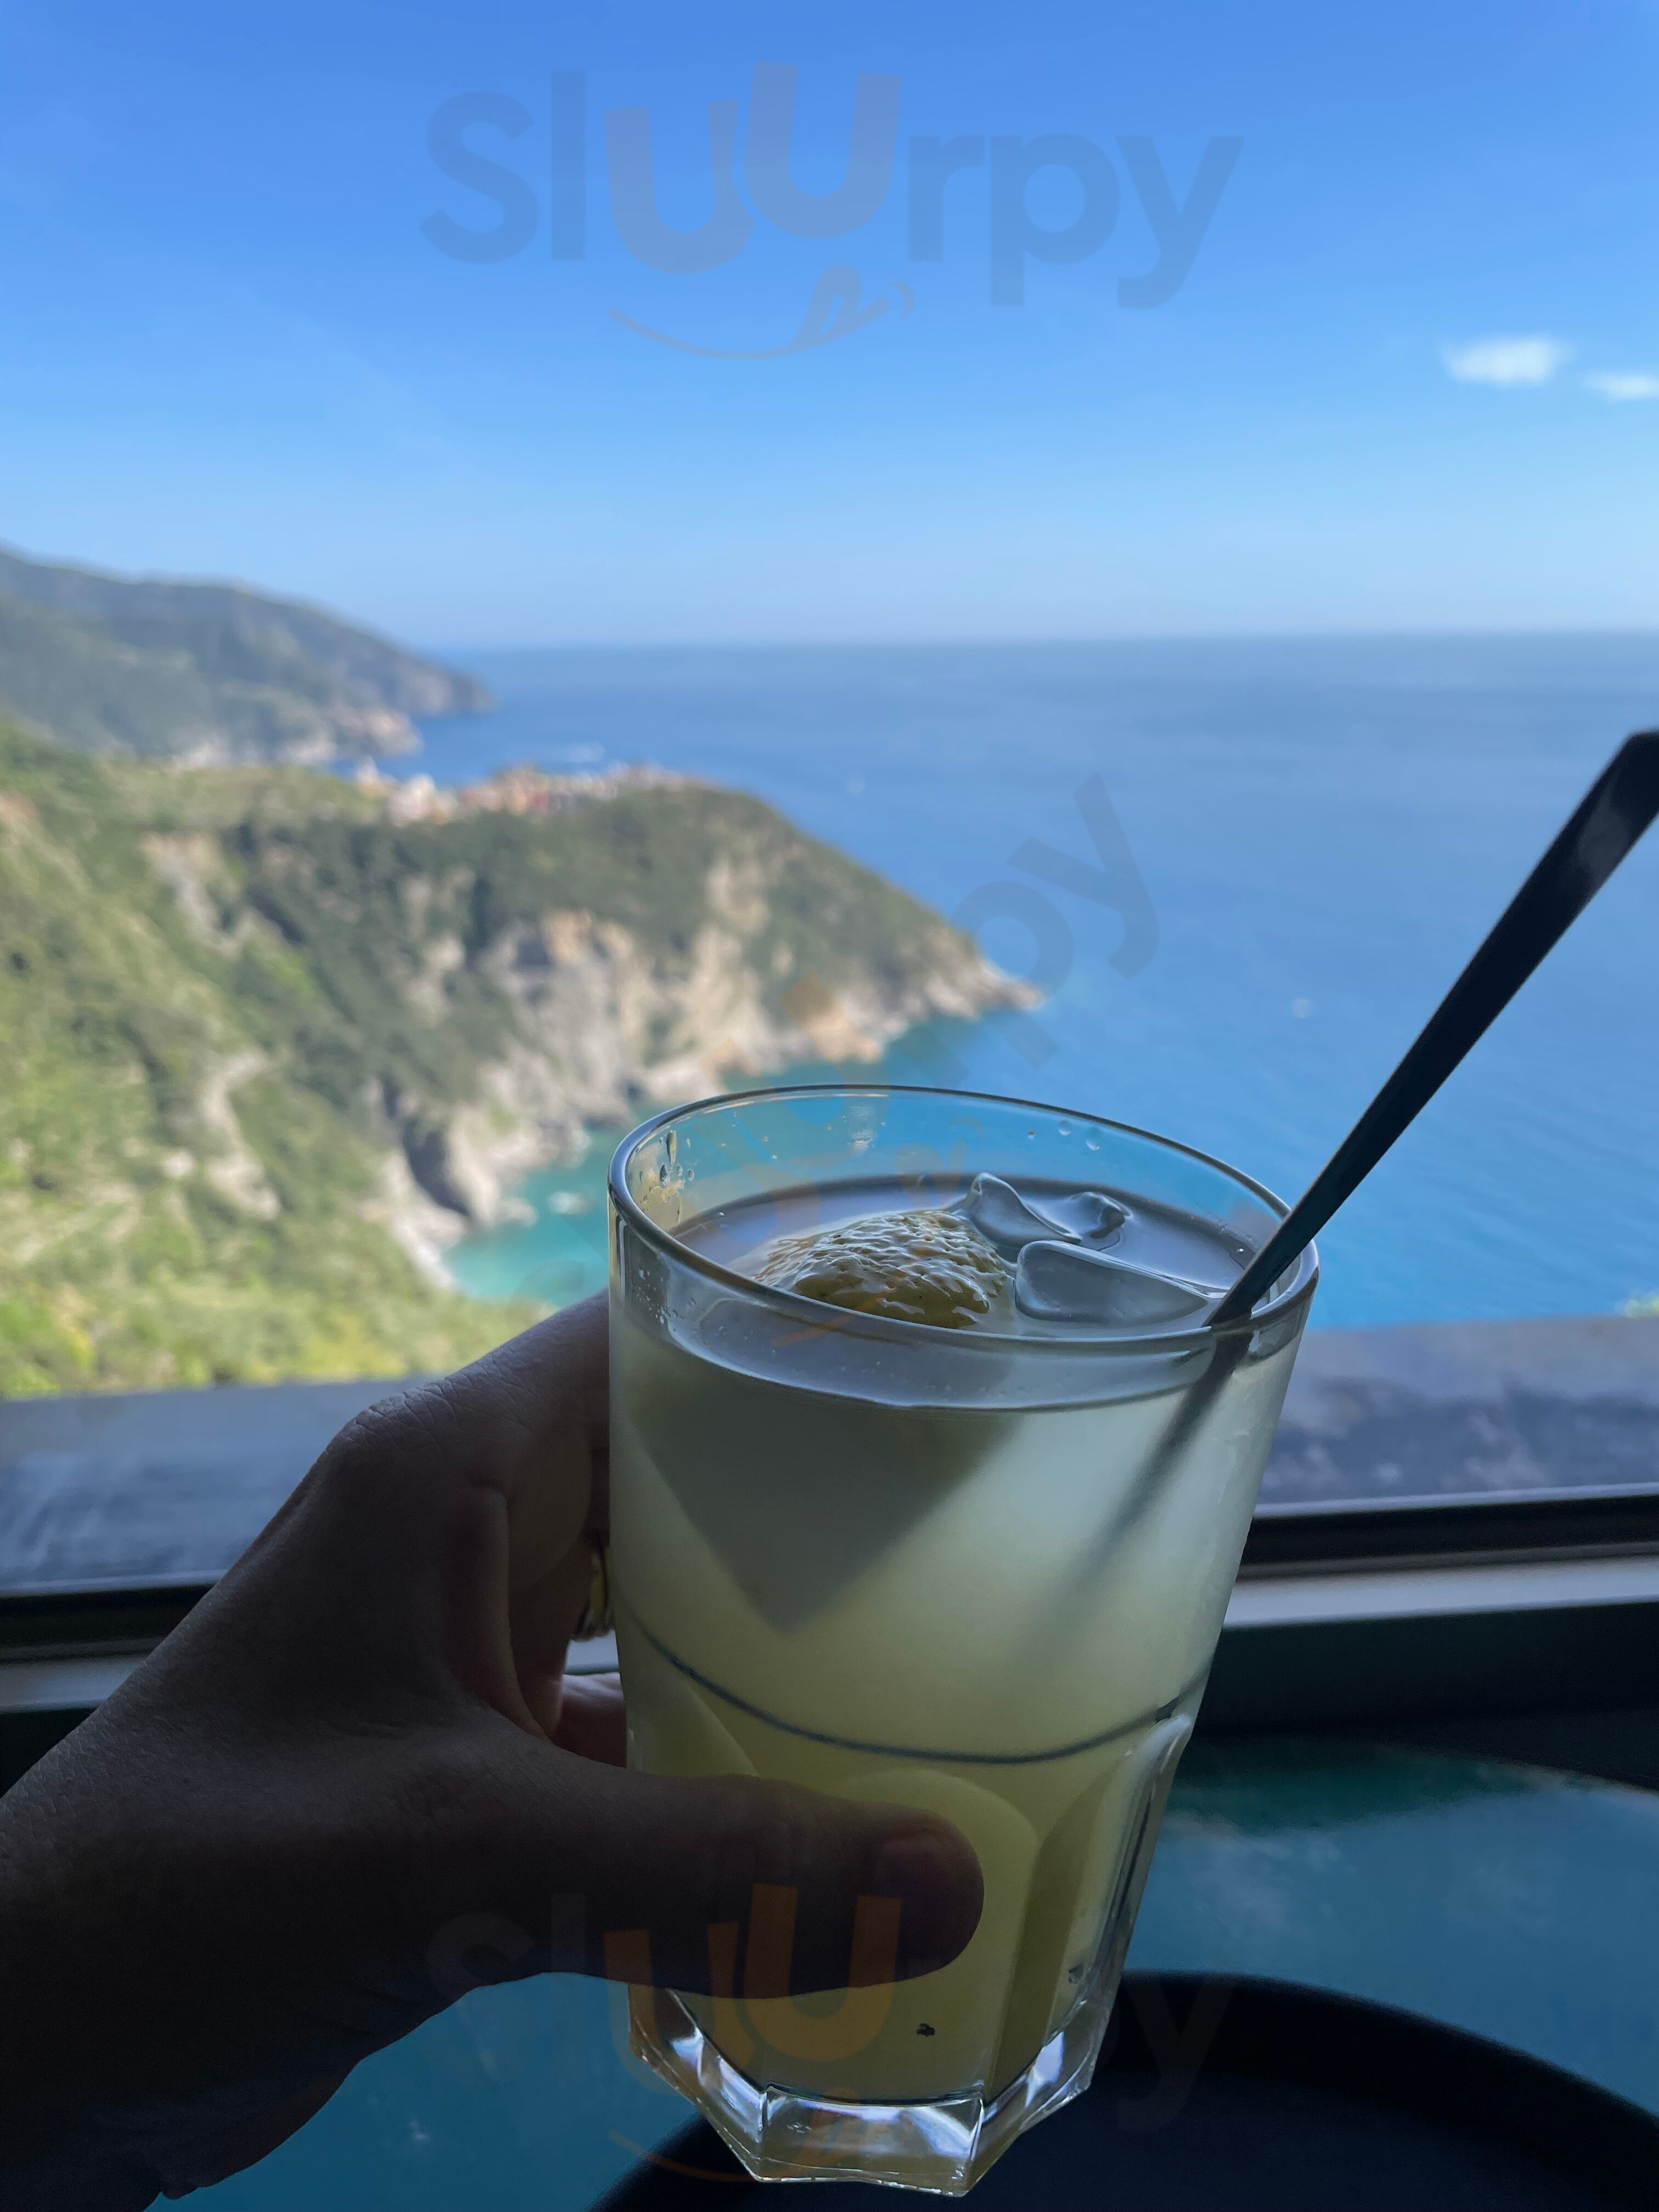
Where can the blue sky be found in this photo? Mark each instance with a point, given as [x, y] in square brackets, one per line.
[1411, 380]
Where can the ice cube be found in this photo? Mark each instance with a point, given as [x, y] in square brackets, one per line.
[1009, 1222]
[1001, 1215]
[1070, 1282]
[1089, 1214]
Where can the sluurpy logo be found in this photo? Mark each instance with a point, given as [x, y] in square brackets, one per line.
[1012, 232]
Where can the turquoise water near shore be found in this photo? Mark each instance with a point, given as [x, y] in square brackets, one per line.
[1324, 828]
[558, 1253]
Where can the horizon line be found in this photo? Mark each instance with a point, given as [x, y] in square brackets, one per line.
[1335, 636]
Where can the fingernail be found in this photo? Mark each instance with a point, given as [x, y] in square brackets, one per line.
[934, 1873]
[917, 1862]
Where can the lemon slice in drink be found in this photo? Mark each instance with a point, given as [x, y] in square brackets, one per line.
[926, 1266]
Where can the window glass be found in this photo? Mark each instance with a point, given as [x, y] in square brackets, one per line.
[1164, 491]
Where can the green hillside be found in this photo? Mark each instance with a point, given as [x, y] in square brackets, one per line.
[123, 1266]
[254, 1030]
[113, 665]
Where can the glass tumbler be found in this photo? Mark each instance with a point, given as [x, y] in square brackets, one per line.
[981, 1572]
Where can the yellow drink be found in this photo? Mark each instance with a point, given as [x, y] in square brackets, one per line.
[960, 1569]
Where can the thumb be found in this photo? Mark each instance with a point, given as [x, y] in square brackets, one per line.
[625, 1875]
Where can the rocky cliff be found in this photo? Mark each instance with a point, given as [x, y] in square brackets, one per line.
[275, 1045]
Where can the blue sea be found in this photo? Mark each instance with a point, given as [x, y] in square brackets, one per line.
[1324, 828]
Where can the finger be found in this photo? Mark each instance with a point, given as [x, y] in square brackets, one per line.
[470, 1497]
[645, 1865]
[544, 1616]
[593, 1719]
[550, 1384]
[530, 1421]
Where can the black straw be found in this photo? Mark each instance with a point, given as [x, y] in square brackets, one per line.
[1615, 811]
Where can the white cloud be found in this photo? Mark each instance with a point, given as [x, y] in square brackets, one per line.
[1507, 360]
[1621, 384]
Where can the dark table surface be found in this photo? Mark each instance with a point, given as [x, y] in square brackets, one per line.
[1508, 1901]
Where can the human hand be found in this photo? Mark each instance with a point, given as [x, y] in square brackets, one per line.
[261, 1859]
